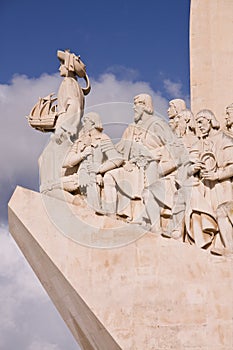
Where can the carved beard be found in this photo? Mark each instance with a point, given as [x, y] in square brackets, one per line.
[137, 116]
[204, 135]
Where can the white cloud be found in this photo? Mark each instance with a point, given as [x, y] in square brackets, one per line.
[174, 89]
[38, 345]
[27, 316]
[19, 283]
[21, 144]
[108, 89]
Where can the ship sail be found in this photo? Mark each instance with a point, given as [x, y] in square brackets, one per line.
[43, 115]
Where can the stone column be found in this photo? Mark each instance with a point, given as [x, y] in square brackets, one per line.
[211, 55]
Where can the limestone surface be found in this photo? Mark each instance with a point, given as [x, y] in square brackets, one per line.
[211, 52]
[152, 293]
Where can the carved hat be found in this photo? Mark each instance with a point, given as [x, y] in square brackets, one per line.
[72, 62]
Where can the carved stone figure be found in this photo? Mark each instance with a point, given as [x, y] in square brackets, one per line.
[146, 147]
[70, 107]
[70, 94]
[175, 107]
[229, 119]
[94, 154]
[185, 126]
[214, 168]
[225, 210]
[66, 115]
[176, 180]
[159, 195]
[185, 130]
[140, 148]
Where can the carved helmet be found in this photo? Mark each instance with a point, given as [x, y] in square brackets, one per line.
[72, 62]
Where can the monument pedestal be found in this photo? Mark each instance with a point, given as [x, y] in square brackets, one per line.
[153, 293]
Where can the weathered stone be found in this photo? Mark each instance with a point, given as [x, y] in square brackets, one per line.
[211, 52]
[153, 293]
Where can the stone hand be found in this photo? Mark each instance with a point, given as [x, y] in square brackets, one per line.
[145, 153]
[93, 168]
[210, 175]
[194, 168]
[99, 180]
[87, 152]
[59, 137]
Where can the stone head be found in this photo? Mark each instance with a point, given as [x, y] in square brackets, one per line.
[92, 121]
[71, 65]
[175, 107]
[142, 104]
[185, 122]
[229, 116]
[63, 70]
[205, 121]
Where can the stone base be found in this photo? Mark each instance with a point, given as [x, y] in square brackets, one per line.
[153, 293]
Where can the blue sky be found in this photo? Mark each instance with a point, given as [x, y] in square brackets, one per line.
[150, 38]
[129, 47]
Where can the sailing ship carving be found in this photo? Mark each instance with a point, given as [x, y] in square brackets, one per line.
[43, 115]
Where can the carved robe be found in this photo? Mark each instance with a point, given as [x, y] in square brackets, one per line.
[206, 195]
[103, 156]
[144, 145]
[70, 105]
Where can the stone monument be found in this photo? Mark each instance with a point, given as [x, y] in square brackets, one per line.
[211, 51]
[132, 241]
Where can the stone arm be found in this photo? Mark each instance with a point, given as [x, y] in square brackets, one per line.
[114, 159]
[194, 164]
[220, 174]
[161, 131]
[72, 115]
[166, 168]
[224, 169]
[109, 165]
[171, 148]
[123, 147]
[161, 155]
[74, 157]
[70, 107]
[226, 173]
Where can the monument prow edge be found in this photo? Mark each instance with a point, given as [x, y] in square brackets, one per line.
[83, 324]
[152, 293]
